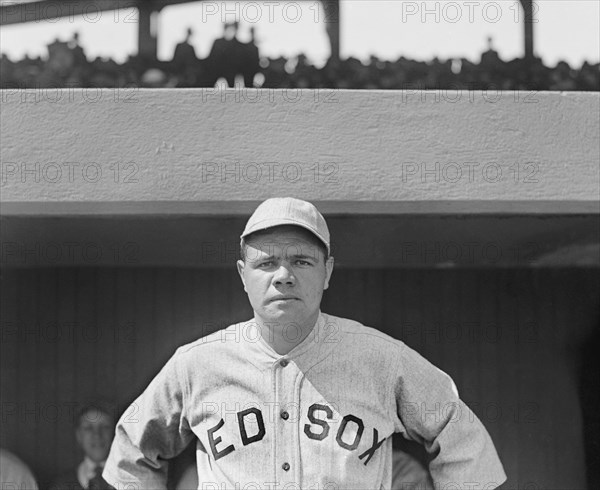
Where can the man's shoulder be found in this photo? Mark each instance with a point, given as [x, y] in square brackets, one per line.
[14, 471]
[222, 337]
[353, 330]
[214, 350]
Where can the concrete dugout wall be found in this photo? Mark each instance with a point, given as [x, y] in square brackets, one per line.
[203, 150]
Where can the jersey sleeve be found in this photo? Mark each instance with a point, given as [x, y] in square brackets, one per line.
[15, 473]
[153, 429]
[430, 411]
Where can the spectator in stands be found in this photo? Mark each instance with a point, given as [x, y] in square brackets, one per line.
[79, 57]
[80, 73]
[490, 57]
[275, 74]
[94, 431]
[249, 59]
[562, 78]
[230, 57]
[588, 77]
[184, 51]
[7, 69]
[156, 78]
[221, 60]
[59, 66]
[14, 474]
[185, 62]
[303, 72]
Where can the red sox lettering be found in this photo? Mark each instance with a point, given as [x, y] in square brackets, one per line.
[318, 429]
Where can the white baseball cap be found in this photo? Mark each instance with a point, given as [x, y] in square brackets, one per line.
[279, 211]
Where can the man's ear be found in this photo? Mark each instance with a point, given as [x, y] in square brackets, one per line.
[240, 267]
[329, 271]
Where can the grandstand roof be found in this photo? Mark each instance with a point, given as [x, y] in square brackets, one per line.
[21, 11]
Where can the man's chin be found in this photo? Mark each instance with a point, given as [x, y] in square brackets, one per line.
[282, 315]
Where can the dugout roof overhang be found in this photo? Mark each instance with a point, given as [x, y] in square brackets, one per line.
[175, 170]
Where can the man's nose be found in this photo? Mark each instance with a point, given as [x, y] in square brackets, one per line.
[284, 275]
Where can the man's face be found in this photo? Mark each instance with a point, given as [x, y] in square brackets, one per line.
[95, 434]
[284, 274]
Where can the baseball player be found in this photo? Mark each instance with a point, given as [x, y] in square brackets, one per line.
[295, 398]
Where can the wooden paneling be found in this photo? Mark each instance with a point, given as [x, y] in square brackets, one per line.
[512, 339]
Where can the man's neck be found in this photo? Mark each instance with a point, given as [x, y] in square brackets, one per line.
[283, 337]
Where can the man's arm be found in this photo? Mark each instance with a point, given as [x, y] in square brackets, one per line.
[14, 473]
[154, 428]
[429, 408]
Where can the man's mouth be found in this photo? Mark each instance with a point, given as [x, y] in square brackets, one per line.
[283, 298]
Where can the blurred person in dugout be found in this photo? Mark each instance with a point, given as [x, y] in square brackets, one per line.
[94, 431]
[14, 474]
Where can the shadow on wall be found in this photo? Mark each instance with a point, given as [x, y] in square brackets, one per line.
[590, 403]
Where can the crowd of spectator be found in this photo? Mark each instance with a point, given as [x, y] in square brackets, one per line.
[231, 60]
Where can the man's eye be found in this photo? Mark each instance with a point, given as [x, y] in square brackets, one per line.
[303, 262]
[268, 263]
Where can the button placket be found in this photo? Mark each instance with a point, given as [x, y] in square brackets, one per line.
[286, 437]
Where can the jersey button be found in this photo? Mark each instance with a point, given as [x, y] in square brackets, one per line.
[285, 466]
[283, 363]
[285, 415]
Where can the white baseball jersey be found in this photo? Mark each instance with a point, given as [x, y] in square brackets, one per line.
[319, 417]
